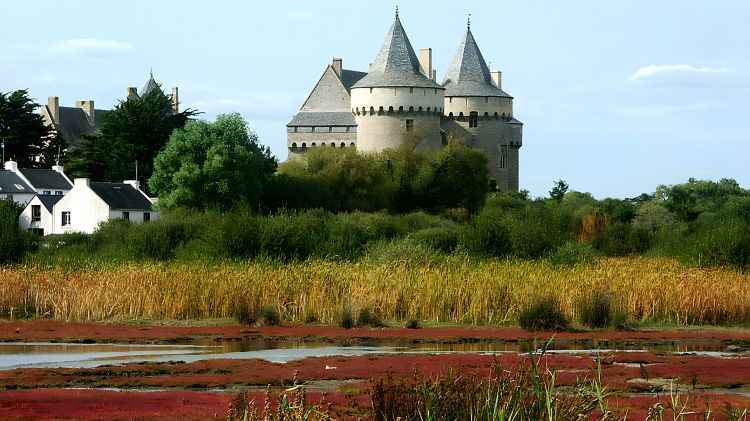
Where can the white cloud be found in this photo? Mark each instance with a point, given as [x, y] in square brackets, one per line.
[300, 14]
[90, 46]
[679, 72]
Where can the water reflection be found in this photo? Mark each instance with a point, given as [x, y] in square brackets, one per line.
[70, 355]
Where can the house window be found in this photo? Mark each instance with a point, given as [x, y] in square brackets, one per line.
[473, 120]
[409, 125]
[36, 213]
[58, 193]
[503, 156]
[146, 216]
[126, 216]
[48, 192]
[66, 218]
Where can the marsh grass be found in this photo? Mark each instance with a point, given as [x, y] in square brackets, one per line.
[454, 291]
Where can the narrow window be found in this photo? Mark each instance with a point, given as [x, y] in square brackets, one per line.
[503, 156]
[411, 90]
[473, 120]
[66, 218]
[36, 213]
[146, 217]
[47, 192]
[126, 216]
[409, 125]
[58, 193]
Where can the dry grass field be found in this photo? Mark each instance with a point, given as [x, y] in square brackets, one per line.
[315, 291]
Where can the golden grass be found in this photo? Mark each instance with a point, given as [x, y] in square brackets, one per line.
[458, 291]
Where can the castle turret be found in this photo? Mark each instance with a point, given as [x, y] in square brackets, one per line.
[479, 111]
[396, 101]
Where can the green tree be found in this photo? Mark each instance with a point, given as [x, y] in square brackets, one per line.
[558, 191]
[22, 130]
[131, 135]
[212, 165]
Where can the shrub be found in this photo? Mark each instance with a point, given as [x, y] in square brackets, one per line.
[269, 316]
[159, 239]
[14, 243]
[402, 250]
[367, 317]
[346, 318]
[444, 239]
[412, 324]
[543, 314]
[486, 235]
[596, 310]
[573, 253]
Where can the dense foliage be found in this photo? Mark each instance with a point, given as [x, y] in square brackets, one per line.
[572, 231]
[212, 165]
[131, 135]
[22, 130]
[13, 241]
[402, 180]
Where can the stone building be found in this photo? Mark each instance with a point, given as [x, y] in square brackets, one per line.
[399, 100]
[73, 122]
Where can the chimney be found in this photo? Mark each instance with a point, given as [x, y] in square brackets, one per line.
[11, 166]
[425, 61]
[53, 103]
[497, 78]
[82, 182]
[88, 108]
[58, 168]
[434, 75]
[175, 100]
[337, 66]
[135, 183]
[132, 92]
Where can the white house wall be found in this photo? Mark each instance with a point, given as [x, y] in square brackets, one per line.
[86, 209]
[135, 215]
[46, 222]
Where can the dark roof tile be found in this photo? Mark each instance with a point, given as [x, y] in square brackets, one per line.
[468, 74]
[11, 183]
[49, 200]
[396, 64]
[46, 179]
[121, 196]
[310, 118]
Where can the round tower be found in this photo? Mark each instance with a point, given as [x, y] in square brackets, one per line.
[480, 112]
[396, 102]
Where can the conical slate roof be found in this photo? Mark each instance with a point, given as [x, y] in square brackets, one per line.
[396, 64]
[149, 86]
[468, 74]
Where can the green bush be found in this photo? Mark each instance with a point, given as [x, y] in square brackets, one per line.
[14, 243]
[573, 253]
[402, 250]
[486, 236]
[444, 239]
[543, 314]
[158, 240]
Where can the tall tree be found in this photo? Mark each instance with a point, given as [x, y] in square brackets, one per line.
[130, 137]
[26, 138]
[212, 165]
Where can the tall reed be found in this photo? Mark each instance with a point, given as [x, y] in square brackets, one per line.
[459, 290]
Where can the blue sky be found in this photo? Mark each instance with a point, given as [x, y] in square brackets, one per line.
[617, 97]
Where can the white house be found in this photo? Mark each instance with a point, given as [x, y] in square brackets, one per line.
[88, 204]
[13, 186]
[37, 216]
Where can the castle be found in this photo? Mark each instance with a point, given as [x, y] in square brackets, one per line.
[73, 122]
[399, 99]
